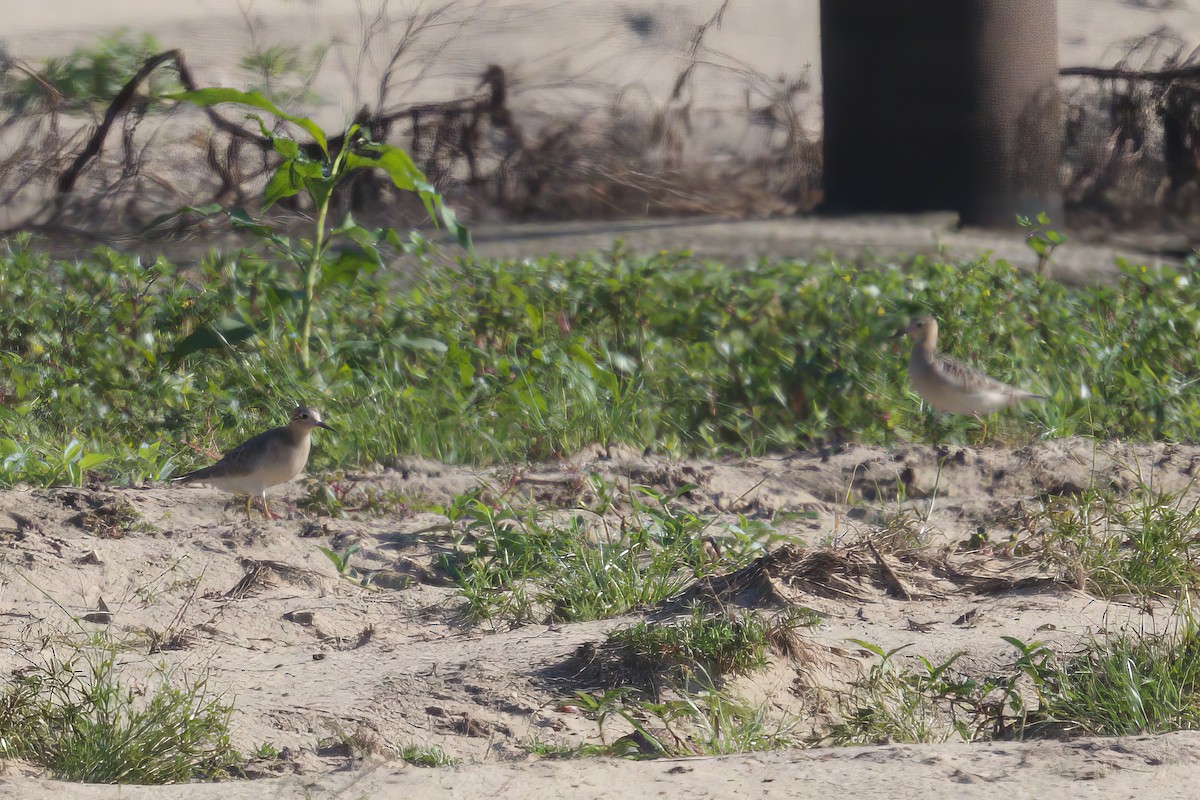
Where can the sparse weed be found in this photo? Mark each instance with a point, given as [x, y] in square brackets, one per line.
[1124, 684]
[1042, 239]
[266, 751]
[426, 756]
[356, 744]
[338, 496]
[1143, 542]
[893, 702]
[703, 722]
[76, 718]
[543, 749]
[516, 563]
[341, 562]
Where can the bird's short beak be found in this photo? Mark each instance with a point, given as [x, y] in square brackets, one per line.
[326, 427]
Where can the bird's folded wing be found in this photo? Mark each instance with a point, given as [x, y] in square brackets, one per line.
[966, 378]
[236, 463]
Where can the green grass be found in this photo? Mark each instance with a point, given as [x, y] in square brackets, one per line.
[1143, 542]
[138, 370]
[1123, 684]
[75, 718]
[718, 644]
[705, 721]
[699, 644]
[684, 663]
[515, 562]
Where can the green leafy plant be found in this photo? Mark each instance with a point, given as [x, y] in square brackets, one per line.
[929, 702]
[158, 368]
[87, 78]
[1041, 238]
[341, 562]
[318, 172]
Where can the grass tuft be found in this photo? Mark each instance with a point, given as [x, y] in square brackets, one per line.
[707, 721]
[78, 720]
[427, 756]
[1143, 542]
[698, 644]
[1122, 685]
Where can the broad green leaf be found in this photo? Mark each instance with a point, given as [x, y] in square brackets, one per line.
[319, 188]
[91, 460]
[364, 237]
[460, 232]
[869, 646]
[430, 197]
[72, 451]
[290, 178]
[243, 220]
[395, 162]
[217, 95]
[282, 184]
[405, 174]
[347, 266]
[287, 148]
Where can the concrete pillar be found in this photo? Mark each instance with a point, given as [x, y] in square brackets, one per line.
[941, 104]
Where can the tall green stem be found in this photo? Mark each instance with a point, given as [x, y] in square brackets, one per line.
[310, 282]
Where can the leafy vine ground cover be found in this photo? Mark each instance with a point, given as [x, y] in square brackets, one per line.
[134, 371]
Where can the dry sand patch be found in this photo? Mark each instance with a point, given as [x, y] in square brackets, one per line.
[309, 658]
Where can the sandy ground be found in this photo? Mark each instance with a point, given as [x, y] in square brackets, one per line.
[306, 657]
[1160, 767]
